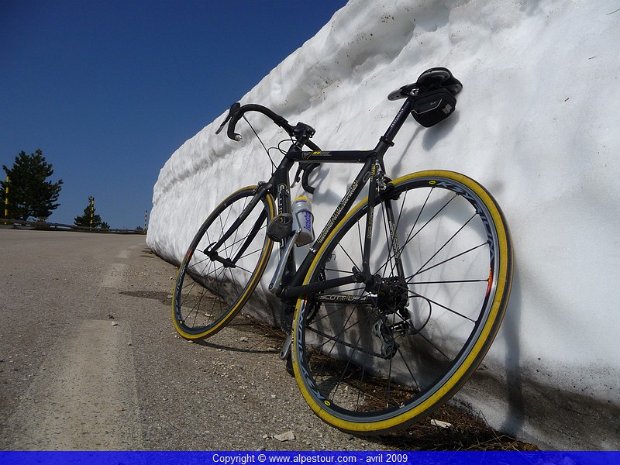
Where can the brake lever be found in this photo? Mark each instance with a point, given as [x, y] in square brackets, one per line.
[234, 108]
[297, 177]
[304, 178]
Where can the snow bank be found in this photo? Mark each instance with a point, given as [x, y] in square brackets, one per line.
[536, 123]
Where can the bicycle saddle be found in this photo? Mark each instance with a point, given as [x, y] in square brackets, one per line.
[431, 79]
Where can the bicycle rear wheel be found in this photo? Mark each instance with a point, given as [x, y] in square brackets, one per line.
[375, 356]
[215, 281]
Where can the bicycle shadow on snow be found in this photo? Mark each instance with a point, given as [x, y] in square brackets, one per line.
[430, 137]
[510, 332]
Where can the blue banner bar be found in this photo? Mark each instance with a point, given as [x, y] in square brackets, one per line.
[306, 457]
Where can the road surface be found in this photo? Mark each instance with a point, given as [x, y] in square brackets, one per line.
[89, 359]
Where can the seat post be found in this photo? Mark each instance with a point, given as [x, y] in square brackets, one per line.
[387, 140]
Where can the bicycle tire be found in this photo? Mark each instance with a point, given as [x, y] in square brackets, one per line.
[210, 291]
[371, 362]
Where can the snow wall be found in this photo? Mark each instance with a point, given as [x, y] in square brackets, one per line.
[537, 124]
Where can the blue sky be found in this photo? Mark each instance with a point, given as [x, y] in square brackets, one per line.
[109, 89]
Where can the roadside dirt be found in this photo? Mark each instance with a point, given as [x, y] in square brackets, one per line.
[449, 428]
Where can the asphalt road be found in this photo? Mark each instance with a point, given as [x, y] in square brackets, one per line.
[89, 359]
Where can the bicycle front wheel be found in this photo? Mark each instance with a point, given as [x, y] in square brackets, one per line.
[376, 356]
[223, 264]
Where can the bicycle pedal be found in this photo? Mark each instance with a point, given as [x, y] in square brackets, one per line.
[281, 226]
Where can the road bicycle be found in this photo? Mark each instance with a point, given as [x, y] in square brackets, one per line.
[399, 297]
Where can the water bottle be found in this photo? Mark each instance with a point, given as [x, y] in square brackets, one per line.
[302, 219]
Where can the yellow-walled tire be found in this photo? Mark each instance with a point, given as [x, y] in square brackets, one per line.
[377, 355]
[213, 285]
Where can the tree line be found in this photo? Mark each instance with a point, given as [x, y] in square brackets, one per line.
[26, 193]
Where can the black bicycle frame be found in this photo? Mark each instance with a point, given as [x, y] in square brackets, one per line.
[292, 287]
[279, 186]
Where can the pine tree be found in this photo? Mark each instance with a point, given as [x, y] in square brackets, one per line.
[30, 195]
[89, 219]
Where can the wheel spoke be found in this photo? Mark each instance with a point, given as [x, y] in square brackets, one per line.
[392, 342]
[449, 259]
[212, 284]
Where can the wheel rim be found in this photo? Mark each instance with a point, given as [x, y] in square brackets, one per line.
[212, 287]
[364, 362]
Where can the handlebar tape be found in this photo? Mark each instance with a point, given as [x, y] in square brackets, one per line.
[277, 119]
[233, 109]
